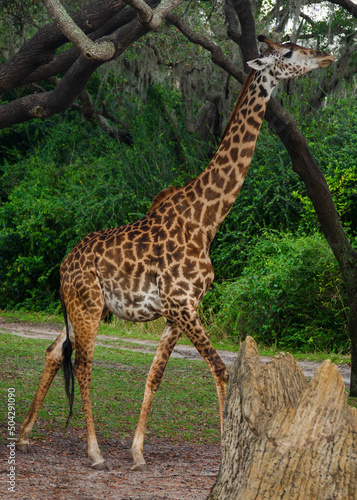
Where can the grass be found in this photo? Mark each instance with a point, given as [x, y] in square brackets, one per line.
[122, 330]
[30, 317]
[185, 407]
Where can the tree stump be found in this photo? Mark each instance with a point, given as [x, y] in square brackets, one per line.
[284, 438]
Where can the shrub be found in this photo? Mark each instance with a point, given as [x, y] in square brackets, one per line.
[67, 179]
[290, 295]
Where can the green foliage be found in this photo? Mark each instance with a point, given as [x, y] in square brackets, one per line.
[289, 295]
[64, 179]
[273, 197]
[332, 138]
[265, 201]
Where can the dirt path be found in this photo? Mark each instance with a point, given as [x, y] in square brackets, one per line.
[51, 331]
[53, 470]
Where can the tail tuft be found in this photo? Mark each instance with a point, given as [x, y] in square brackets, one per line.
[67, 364]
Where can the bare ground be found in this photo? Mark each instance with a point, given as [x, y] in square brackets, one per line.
[58, 467]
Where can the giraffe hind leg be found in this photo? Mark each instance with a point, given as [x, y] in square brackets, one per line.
[54, 359]
[82, 370]
[85, 322]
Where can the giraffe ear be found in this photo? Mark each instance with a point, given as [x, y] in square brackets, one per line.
[260, 62]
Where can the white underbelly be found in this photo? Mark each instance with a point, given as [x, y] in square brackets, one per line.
[134, 306]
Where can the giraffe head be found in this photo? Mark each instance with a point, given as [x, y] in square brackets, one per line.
[289, 60]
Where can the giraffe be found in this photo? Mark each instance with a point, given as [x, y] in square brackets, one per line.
[160, 264]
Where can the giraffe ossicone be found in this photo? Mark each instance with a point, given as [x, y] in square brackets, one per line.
[160, 264]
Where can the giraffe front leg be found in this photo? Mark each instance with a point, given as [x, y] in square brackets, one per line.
[54, 359]
[197, 335]
[164, 349]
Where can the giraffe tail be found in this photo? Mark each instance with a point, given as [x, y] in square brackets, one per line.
[67, 362]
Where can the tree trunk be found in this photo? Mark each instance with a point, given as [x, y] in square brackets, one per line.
[284, 438]
[318, 191]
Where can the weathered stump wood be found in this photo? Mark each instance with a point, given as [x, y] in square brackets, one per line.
[284, 438]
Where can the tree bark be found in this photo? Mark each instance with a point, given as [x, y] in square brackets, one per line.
[103, 51]
[46, 104]
[284, 438]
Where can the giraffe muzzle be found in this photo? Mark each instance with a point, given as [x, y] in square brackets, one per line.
[326, 60]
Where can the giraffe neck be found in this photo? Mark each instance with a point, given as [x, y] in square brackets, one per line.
[219, 184]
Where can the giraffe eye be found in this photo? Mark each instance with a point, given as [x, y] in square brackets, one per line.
[288, 54]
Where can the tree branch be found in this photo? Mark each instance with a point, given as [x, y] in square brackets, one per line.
[347, 5]
[46, 104]
[152, 18]
[102, 51]
[167, 6]
[217, 54]
[145, 14]
[232, 25]
[248, 39]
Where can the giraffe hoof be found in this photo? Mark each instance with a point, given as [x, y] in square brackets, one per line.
[24, 448]
[100, 466]
[140, 468]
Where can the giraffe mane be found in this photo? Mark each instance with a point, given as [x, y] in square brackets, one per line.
[239, 101]
[159, 198]
[172, 189]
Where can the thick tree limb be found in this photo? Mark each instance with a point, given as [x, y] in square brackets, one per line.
[102, 51]
[167, 6]
[46, 104]
[247, 25]
[153, 18]
[39, 49]
[145, 14]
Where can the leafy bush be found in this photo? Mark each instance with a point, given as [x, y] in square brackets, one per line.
[290, 295]
[69, 179]
[264, 202]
